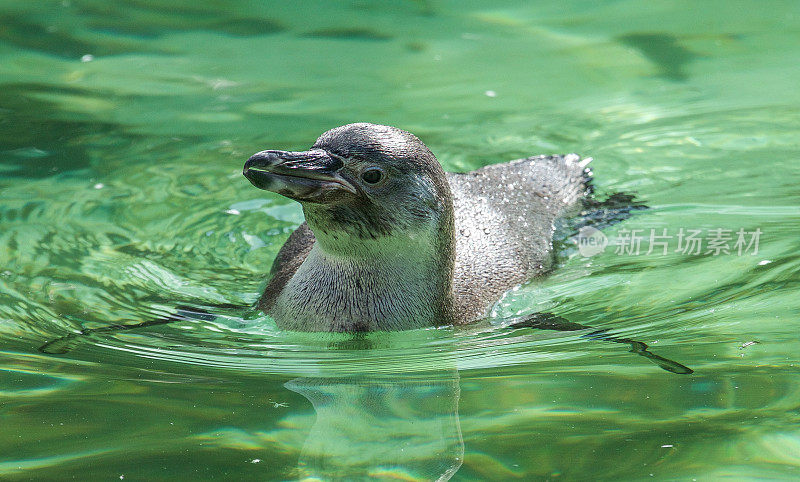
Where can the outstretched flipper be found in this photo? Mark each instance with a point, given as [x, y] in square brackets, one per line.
[65, 344]
[549, 321]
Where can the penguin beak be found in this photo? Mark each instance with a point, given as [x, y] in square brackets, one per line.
[310, 176]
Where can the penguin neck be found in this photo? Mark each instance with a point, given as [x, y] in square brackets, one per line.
[399, 281]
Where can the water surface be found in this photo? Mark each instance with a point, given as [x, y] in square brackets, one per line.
[123, 129]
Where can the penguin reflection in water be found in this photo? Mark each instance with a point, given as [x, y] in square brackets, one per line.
[392, 242]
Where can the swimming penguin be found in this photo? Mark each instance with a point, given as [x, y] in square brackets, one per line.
[392, 242]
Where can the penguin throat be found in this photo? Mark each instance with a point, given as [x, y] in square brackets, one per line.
[393, 282]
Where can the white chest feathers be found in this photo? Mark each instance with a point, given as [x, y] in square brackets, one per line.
[385, 285]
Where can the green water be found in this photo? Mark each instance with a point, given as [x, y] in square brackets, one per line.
[123, 129]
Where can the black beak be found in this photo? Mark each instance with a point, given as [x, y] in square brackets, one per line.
[312, 176]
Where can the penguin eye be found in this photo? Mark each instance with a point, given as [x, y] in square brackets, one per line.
[372, 175]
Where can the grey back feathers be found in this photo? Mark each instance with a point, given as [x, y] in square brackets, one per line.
[504, 224]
